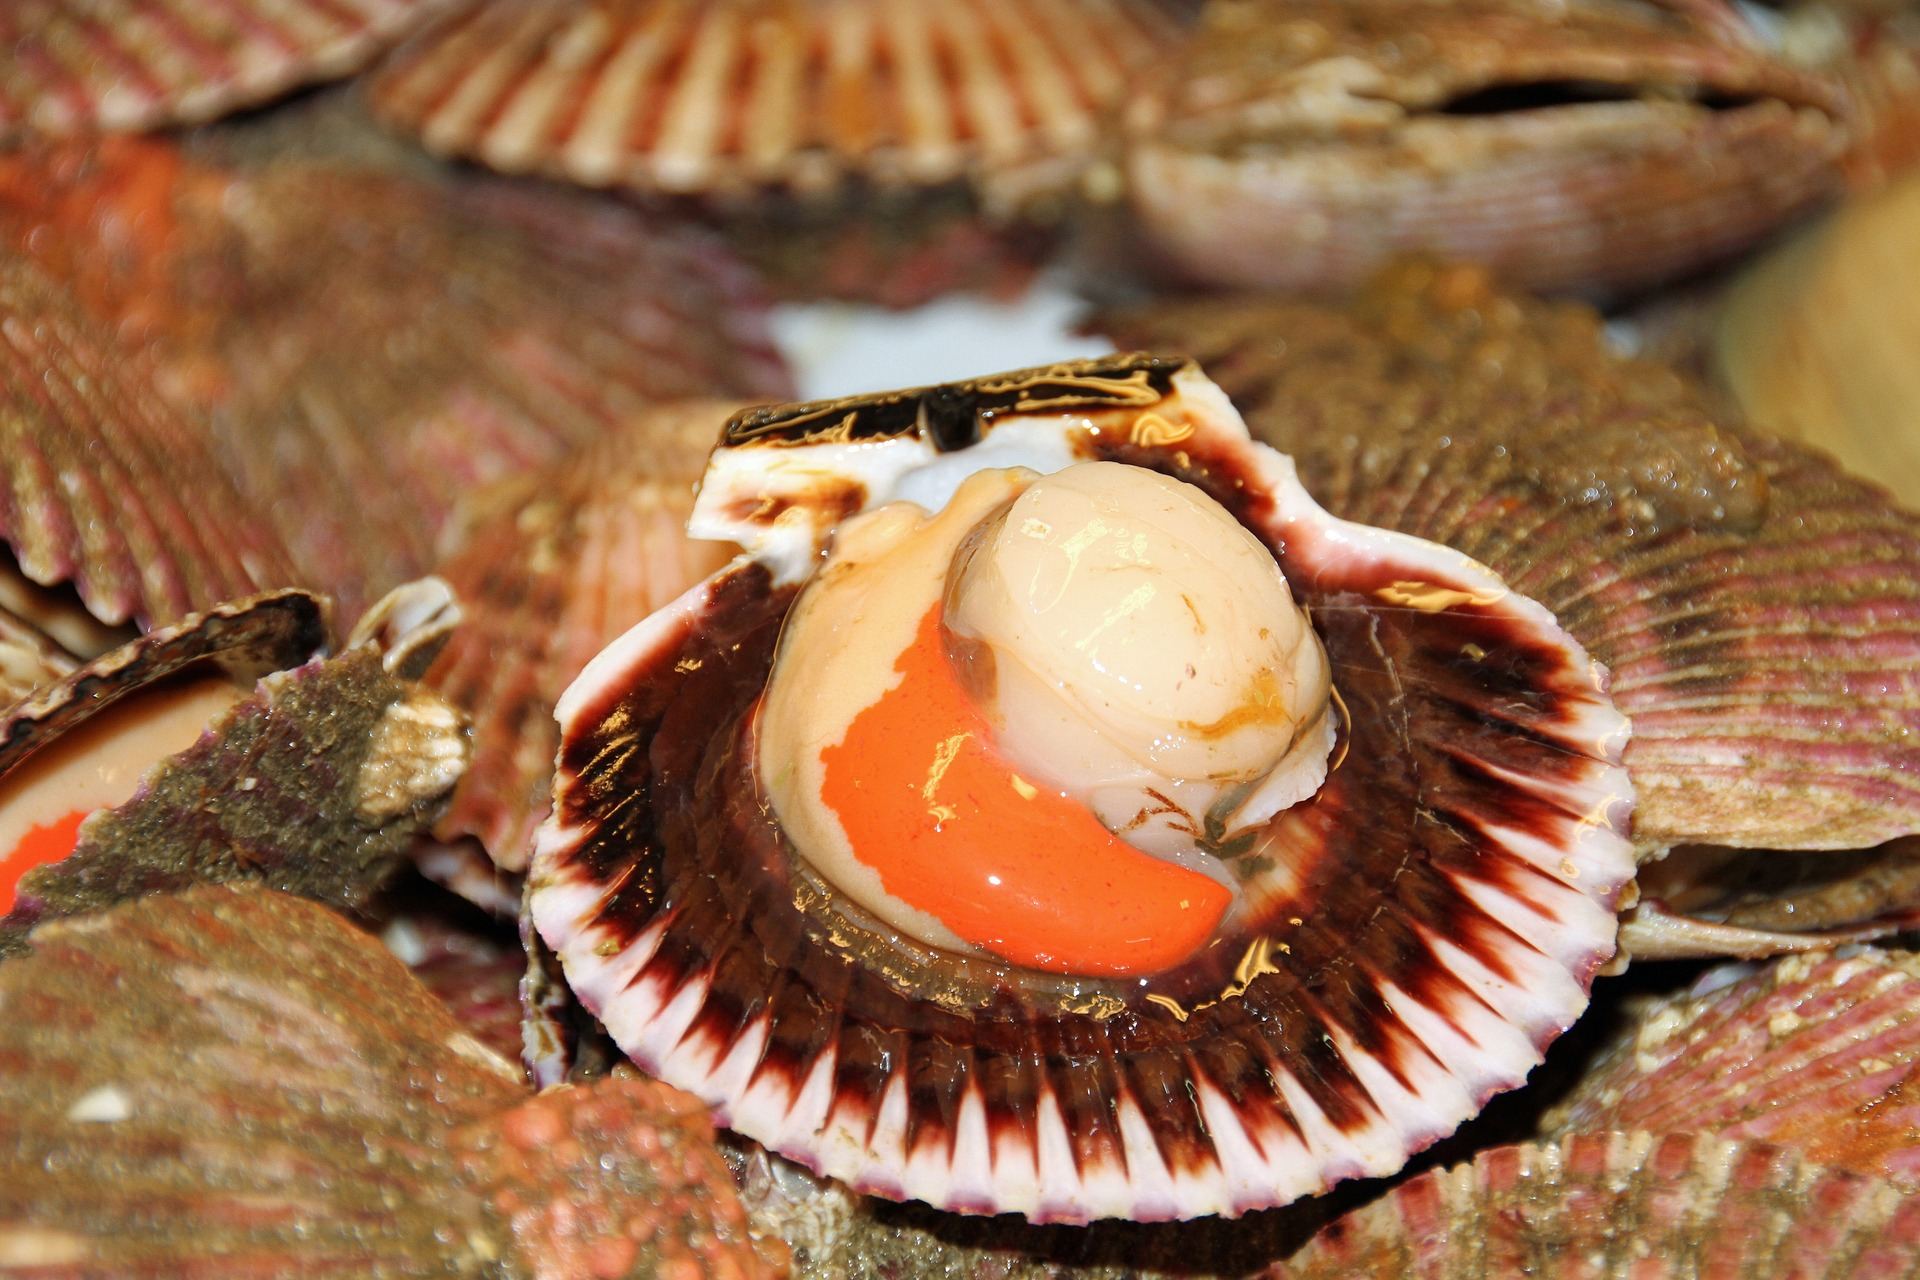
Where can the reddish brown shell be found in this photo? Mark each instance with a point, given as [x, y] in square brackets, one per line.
[692, 96]
[1649, 1206]
[552, 566]
[1818, 1053]
[281, 1098]
[86, 66]
[1409, 939]
[1300, 144]
[1758, 607]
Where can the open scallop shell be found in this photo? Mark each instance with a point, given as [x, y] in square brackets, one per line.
[85, 66]
[1418, 932]
[1300, 144]
[1758, 607]
[1817, 1053]
[552, 566]
[234, 1081]
[317, 783]
[698, 97]
[1623, 1204]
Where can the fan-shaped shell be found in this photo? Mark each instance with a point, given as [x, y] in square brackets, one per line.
[280, 1097]
[552, 567]
[1618, 1205]
[85, 66]
[1300, 144]
[689, 97]
[1427, 922]
[1758, 607]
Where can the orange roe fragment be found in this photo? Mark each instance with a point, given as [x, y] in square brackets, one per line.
[41, 845]
[1022, 872]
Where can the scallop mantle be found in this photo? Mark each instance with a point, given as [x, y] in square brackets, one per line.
[1409, 940]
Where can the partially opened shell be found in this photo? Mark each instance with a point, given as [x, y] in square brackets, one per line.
[1759, 607]
[1624, 1204]
[1401, 958]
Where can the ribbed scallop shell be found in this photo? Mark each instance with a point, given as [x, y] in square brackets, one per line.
[1758, 607]
[1300, 144]
[231, 1081]
[553, 565]
[29, 658]
[1645, 1206]
[690, 96]
[1817, 1053]
[473, 971]
[317, 783]
[103, 483]
[85, 66]
[1422, 927]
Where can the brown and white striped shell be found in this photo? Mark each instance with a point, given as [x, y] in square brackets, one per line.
[697, 97]
[1414, 933]
[1300, 144]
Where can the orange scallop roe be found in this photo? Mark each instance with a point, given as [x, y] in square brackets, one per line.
[42, 845]
[1018, 870]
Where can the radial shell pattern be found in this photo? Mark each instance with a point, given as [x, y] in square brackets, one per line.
[283, 1099]
[1617, 1204]
[552, 567]
[1413, 935]
[689, 96]
[1758, 607]
[1817, 1053]
[1302, 143]
[86, 66]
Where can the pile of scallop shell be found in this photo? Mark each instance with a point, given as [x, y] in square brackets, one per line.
[1394, 771]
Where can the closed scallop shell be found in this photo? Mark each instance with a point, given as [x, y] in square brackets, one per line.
[1301, 144]
[1646, 1205]
[282, 1098]
[551, 567]
[1400, 960]
[1744, 591]
[71, 67]
[697, 98]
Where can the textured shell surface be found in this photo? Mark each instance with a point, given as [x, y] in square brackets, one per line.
[1595, 146]
[284, 1098]
[1624, 1204]
[1350, 1017]
[697, 98]
[70, 67]
[1745, 592]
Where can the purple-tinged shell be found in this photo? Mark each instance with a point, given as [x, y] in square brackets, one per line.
[1413, 935]
[1301, 144]
[317, 783]
[1758, 607]
[552, 566]
[1817, 1053]
[731, 96]
[1646, 1206]
[233, 1081]
[105, 485]
[70, 67]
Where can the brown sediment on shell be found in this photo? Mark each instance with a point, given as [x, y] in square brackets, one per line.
[552, 566]
[71, 67]
[281, 1097]
[1316, 1039]
[1300, 144]
[315, 784]
[1620, 1204]
[699, 98]
[1817, 1053]
[1758, 607]
[103, 483]
[369, 347]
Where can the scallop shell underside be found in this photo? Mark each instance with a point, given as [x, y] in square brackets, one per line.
[1416, 933]
[283, 1098]
[1743, 633]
